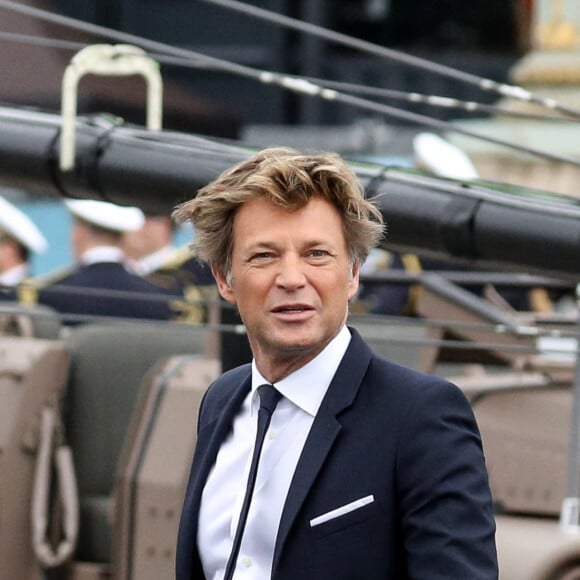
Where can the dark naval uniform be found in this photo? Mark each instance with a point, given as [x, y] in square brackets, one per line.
[97, 289]
[395, 298]
[16, 228]
[175, 270]
[7, 293]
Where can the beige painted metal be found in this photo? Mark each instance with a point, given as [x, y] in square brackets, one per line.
[536, 549]
[32, 376]
[525, 436]
[526, 439]
[31, 320]
[54, 469]
[413, 344]
[89, 571]
[435, 306]
[109, 60]
[481, 383]
[154, 468]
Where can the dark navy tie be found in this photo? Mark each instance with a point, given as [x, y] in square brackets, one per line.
[269, 398]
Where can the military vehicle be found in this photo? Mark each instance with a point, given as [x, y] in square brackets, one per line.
[98, 421]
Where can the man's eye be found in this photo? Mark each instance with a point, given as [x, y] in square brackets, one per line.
[261, 256]
[318, 253]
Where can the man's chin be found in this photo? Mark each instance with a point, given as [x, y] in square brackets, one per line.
[296, 346]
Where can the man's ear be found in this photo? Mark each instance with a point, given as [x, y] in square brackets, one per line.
[354, 281]
[224, 287]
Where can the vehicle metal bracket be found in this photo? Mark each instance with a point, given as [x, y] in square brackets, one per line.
[106, 60]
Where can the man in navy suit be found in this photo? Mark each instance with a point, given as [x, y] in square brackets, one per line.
[369, 470]
[100, 284]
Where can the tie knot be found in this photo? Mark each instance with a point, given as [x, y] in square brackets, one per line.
[269, 397]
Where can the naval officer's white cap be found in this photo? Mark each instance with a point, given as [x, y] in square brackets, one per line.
[109, 216]
[442, 158]
[18, 226]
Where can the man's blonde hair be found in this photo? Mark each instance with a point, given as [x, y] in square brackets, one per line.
[289, 179]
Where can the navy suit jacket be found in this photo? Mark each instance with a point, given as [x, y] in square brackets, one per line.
[408, 439]
[67, 296]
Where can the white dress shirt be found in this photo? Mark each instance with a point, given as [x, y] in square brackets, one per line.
[223, 493]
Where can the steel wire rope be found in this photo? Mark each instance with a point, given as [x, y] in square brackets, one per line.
[412, 97]
[504, 89]
[268, 77]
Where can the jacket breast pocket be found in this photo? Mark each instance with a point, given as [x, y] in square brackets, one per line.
[345, 516]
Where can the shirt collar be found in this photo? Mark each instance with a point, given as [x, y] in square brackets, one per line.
[307, 386]
[102, 254]
[154, 261]
[14, 275]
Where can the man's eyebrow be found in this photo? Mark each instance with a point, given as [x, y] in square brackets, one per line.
[261, 244]
[325, 243]
[271, 244]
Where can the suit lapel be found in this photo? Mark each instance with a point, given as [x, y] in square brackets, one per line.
[213, 434]
[326, 427]
[210, 437]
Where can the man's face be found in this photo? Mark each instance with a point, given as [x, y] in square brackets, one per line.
[155, 234]
[291, 280]
[9, 253]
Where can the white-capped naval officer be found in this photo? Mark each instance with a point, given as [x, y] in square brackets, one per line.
[100, 284]
[19, 237]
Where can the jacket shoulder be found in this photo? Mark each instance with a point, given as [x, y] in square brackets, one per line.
[228, 387]
[229, 381]
[177, 258]
[53, 277]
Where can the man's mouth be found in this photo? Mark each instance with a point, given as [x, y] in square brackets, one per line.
[291, 308]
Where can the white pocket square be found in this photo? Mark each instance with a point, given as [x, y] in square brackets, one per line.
[342, 510]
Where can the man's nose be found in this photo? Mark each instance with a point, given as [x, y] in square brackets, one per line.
[291, 272]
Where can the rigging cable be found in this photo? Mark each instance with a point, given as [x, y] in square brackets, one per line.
[484, 84]
[301, 86]
[437, 101]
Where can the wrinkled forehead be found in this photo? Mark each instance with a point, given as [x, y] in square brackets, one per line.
[260, 218]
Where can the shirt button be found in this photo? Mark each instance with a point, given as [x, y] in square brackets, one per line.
[272, 435]
[246, 562]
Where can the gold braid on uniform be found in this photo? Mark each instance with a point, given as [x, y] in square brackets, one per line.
[179, 257]
[193, 309]
[28, 290]
[168, 275]
[413, 266]
[190, 309]
[18, 322]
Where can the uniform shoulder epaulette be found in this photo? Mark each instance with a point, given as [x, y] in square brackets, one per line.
[52, 277]
[178, 258]
[412, 264]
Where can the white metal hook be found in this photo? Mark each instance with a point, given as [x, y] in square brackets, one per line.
[106, 60]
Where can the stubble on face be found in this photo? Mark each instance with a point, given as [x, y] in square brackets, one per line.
[291, 280]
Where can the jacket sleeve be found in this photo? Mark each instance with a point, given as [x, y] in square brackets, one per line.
[446, 506]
